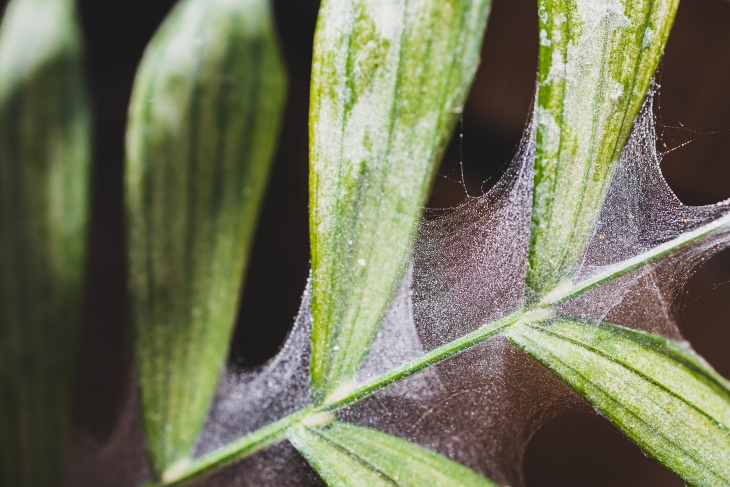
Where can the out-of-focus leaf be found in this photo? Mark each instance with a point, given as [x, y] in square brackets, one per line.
[388, 82]
[45, 140]
[203, 123]
[597, 59]
[351, 456]
[662, 396]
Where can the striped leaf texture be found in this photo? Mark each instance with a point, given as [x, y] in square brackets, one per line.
[662, 396]
[345, 455]
[203, 124]
[389, 79]
[597, 60]
[44, 185]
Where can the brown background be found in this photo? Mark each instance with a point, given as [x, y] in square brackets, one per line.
[574, 450]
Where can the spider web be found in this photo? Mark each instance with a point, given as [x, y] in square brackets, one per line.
[482, 407]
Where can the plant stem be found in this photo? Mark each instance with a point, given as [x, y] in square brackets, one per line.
[236, 450]
[414, 366]
[276, 431]
[562, 294]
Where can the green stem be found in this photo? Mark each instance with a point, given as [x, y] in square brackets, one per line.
[562, 294]
[275, 432]
[200, 467]
[414, 366]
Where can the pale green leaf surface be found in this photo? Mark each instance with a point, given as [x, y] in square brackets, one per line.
[597, 60]
[203, 123]
[388, 82]
[662, 396]
[351, 456]
[45, 152]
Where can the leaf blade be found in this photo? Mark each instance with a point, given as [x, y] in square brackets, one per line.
[664, 398]
[335, 466]
[45, 156]
[342, 452]
[597, 59]
[369, 170]
[204, 117]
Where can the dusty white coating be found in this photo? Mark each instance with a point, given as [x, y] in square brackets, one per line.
[544, 39]
[386, 16]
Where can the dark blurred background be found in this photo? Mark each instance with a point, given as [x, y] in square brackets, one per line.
[694, 124]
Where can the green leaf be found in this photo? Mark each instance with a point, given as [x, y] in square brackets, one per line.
[203, 123]
[662, 396]
[388, 82]
[45, 152]
[351, 456]
[597, 59]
